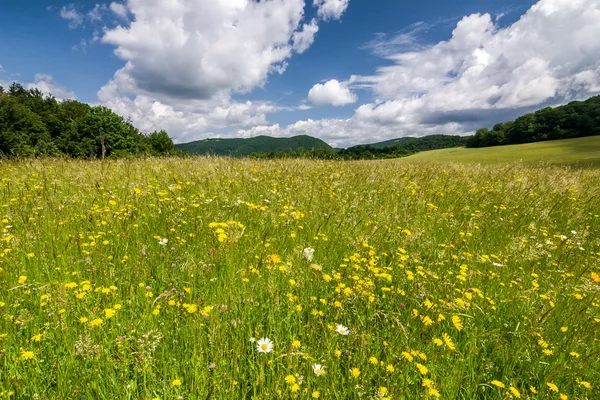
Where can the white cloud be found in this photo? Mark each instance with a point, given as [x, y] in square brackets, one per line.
[119, 9]
[210, 45]
[303, 39]
[71, 14]
[331, 93]
[330, 9]
[46, 85]
[95, 14]
[2, 68]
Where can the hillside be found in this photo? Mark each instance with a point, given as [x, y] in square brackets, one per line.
[245, 147]
[431, 142]
[573, 120]
[577, 152]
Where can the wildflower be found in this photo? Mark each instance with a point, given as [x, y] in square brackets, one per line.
[308, 253]
[318, 369]
[342, 330]
[315, 395]
[438, 342]
[433, 392]
[83, 320]
[390, 368]
[498, 384]
[585, 384]
[290, 379]
[96, 322]
[448, 341]
[176, 382]
[515, 392]
[296, 344]
[27, 355]
[355, 372]
[373, 360]
[264, 345]
[552, 386]
[422, 369]
[383, 390]
[163, 242]
[563, 397]
[295, 387]
[109, 312]
[457, 323]
[22, 279]
[36, 338]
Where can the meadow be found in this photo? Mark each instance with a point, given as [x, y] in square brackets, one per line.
[213, 278]
[580, 152]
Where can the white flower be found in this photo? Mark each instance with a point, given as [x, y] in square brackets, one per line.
[342, 330]
[318, 369]
[163, 241]
[308, 253]
[252, 340]
[264, 345]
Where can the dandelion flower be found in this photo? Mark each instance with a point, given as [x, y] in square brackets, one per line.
[515, 392]
[318, 369]
[355, 372]
[176, 382]
[342, 330]
[552, 386]
[457, 323]
[315, 394]
[290, 379]
[498, 384]
[27, 355]
[264, 345]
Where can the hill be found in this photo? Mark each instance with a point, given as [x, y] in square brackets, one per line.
[431, 142]
[583, 152]
[573, 120]
[258, 144]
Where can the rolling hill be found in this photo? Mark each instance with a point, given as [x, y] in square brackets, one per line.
[245, 147]
[584, 152]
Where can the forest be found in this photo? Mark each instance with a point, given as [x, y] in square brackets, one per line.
[573, 120]
[35, 124]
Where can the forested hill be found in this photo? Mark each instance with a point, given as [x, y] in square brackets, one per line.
[573, 120]
[32, 124]
[258, 144]
[431, 142]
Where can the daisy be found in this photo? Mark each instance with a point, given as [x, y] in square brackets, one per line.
[318, 369]
[264, 345]
[342, 330]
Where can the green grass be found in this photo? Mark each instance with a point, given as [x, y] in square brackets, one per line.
[148, 279]
[584, 152]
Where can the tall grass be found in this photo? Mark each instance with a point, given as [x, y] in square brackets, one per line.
[156, 278]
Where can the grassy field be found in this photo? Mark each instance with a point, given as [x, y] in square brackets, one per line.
[157, 279]
[584, 152]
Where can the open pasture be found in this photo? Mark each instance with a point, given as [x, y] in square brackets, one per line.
[156, 279]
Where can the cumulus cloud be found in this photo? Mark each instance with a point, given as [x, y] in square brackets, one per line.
[70, 13]
[119, 9]
[194, 49]
[45, 83]
[303, 39]
[330, 9]
[333, 93]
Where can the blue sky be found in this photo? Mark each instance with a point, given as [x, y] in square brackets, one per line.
[348, 71]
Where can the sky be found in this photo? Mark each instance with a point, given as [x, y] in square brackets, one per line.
[346, 71]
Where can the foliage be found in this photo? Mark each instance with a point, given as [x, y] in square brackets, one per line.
[245, 147]
[32, 124]
[425, 143]
[351, 153]
[157, 278]
[573, 120]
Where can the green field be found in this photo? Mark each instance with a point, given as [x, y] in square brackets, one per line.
[156, 279]
[584, 152]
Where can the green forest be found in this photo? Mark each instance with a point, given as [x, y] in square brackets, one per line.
[573, 120]
[34, 124]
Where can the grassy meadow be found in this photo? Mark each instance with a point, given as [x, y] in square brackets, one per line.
[580, 152]
[158, 278]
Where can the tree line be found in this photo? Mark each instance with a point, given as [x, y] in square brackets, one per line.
[573, 120]
[34, 124]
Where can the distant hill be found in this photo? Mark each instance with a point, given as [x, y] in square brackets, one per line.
[573, 120]
[431, 142]
[245, 147]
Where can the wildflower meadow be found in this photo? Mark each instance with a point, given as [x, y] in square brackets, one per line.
[213, 278]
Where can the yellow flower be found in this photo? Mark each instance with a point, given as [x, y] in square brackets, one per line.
[109, 312]
[563, 397]
[83, 320]
[355, 372]
[315, 395]
[36, 338]
[422, 369]
[498, 384]
[390, 368]
[96, 322]
[515, 392]
[296, 344]
[22, 279]
[457, 323]
[290, 379]
[448, 341]
[295, 387]
[585, 384]
[552, 386]
[176, 382]
[27, 355]
[433, 392]
[383, 390]
[373, 360]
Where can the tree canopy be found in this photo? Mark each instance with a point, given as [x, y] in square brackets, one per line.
[34, 124]
[573, 120]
